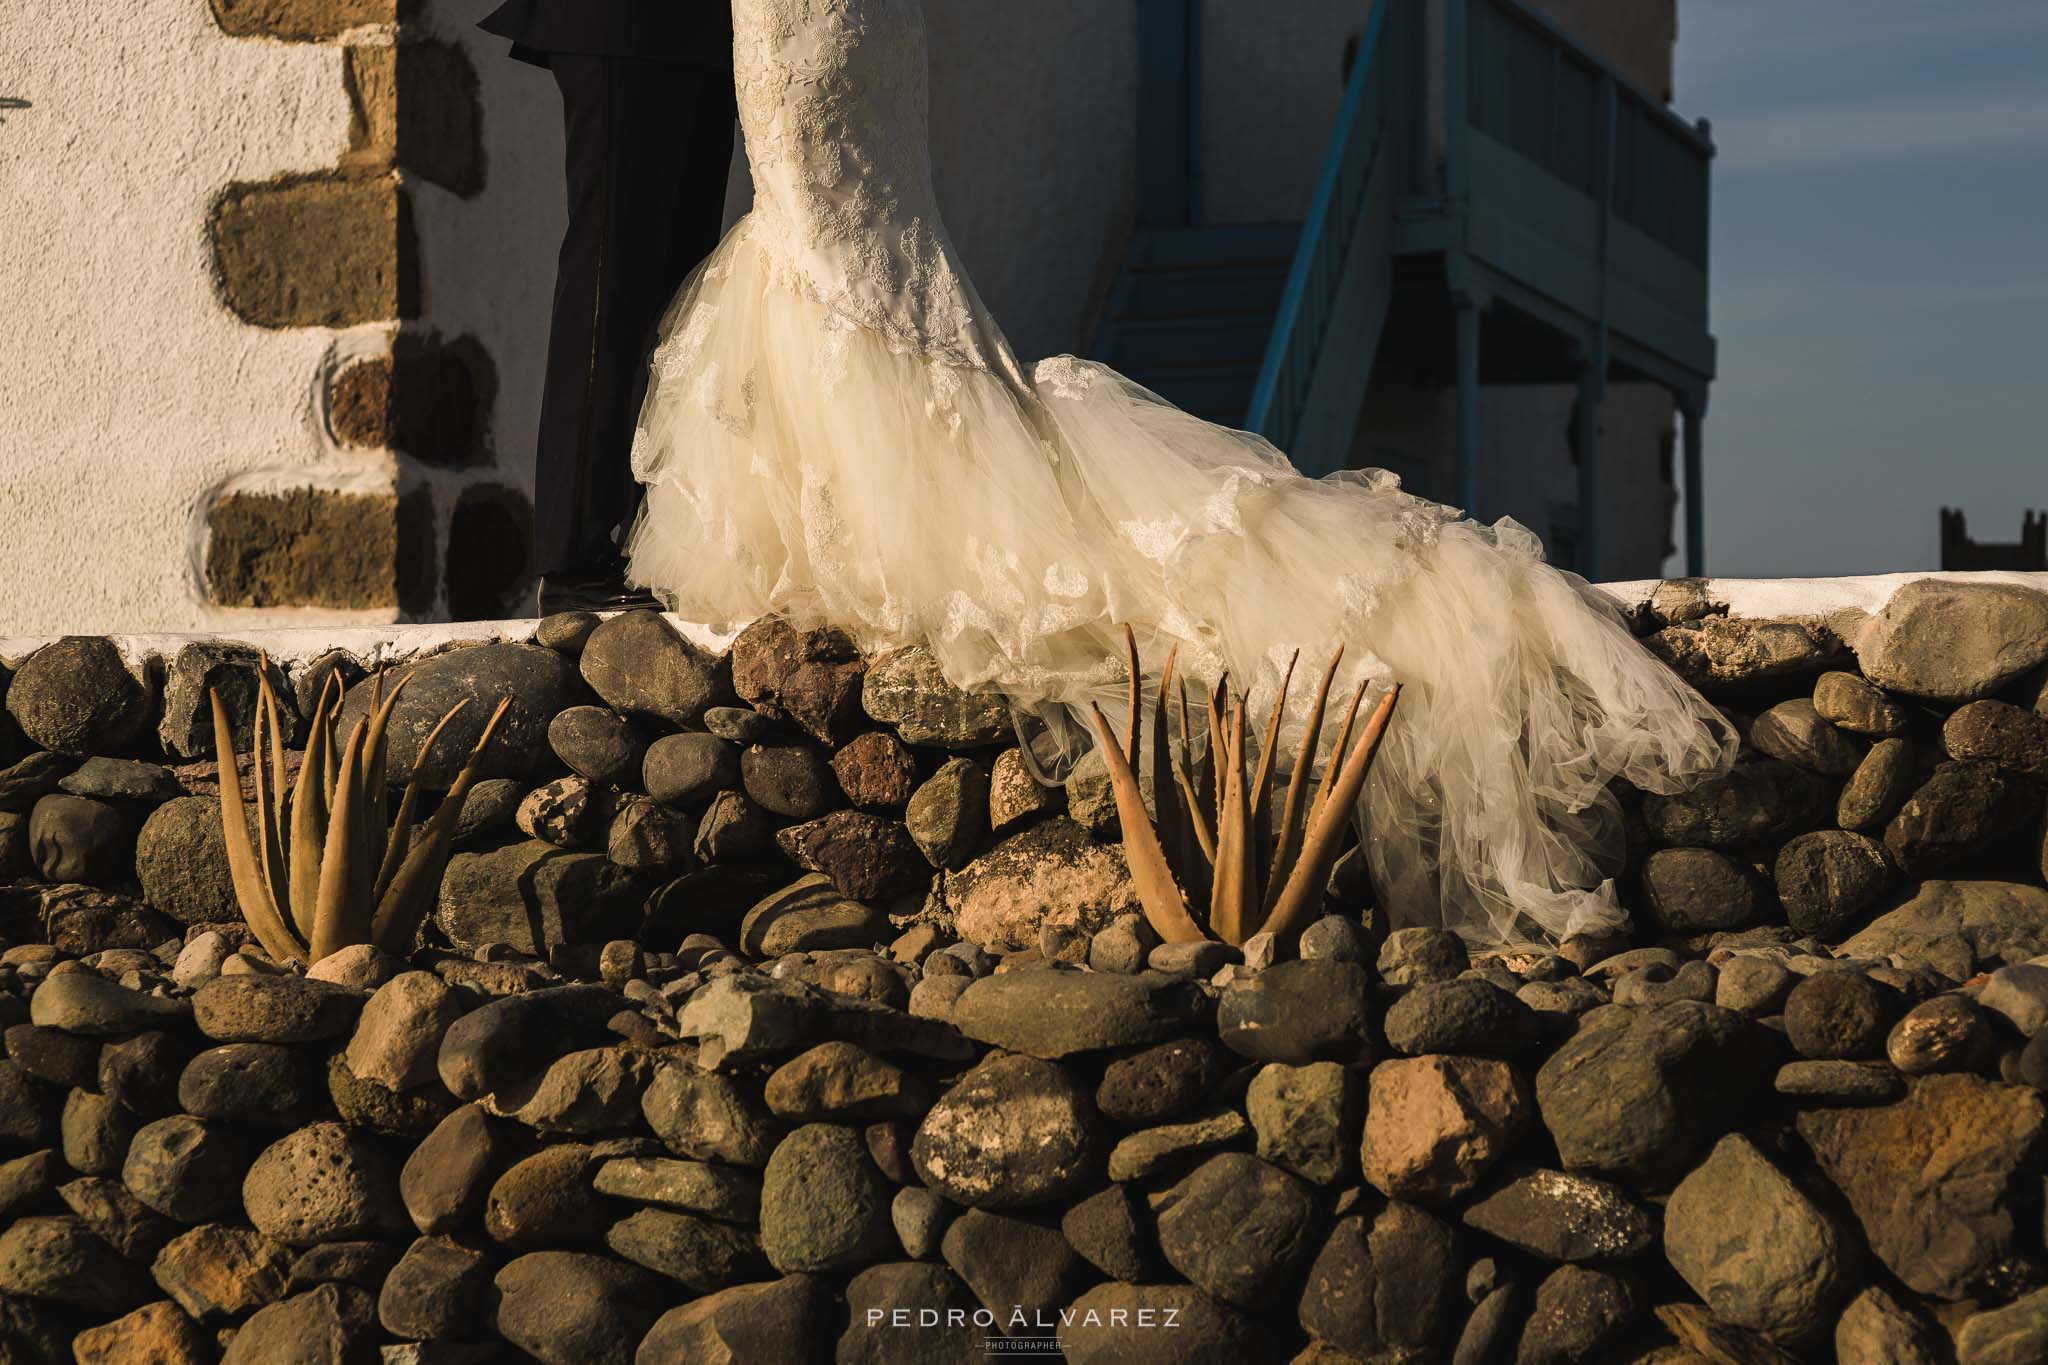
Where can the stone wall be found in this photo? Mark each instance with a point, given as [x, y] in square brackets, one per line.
[771, 1011]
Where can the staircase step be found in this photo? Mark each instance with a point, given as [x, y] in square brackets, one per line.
[1215, 242]
[1169, 290]
[1221, 393]
[1190, 341]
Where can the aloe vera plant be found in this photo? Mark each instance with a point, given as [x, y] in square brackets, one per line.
[1212, 840]
[323, 870]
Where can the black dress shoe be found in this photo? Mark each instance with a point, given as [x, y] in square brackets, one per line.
[594, 592]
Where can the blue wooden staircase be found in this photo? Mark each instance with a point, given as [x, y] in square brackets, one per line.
[1193, 310]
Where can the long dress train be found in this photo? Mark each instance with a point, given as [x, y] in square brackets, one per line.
[837, 432]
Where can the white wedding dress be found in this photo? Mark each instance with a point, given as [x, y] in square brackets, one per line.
[836, 431]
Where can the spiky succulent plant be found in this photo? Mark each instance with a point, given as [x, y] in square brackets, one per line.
[323, 870]
[1213, 840]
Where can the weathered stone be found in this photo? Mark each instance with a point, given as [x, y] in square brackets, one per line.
[489, 807]
[156, 1333]
[203, 668]
[1576, 1314]
[1947, 1033]
[706, 1117]
[539, 681]
[1853, 704]
[1838, 1082]
[791, 781]
[640, 665]
[1935, 1180]
[597, 743]
[361, 967]
[732, 827]
[1697, 891]
[1828, 878]
[1012, 1131]
[89, 1004]
[309, 547]
[1459, 1016]
[1152, 1149]
[1382, 1285]
[76, 696]
[810, 915]
[908, 689]
[1161, 1081]
[185, 1168]
[249, 1083]
[60, 1260]
[1126, 1324]
[219, 1271]
[1752, 803]
[1835, 1015]
[322, 1184]
[837, 1080]
[77, 839]
[920, 1218]
[29, 779]
[117, 1217]
[593, 1090]
[1959, 928]
[948, 815]
[1635, 1091]
[744, 1017]
[1306, 1118]
[568, 812]
[694, 1186]
[696, 1252]
[434, 1291]
[545, 1199]
[1876, 1326]
[689, 769]
[1012, 1264]
[1238, 1228]
[1051, 873]
[507, 1041]
[1754, 1247]
[778, 1320]
[1298, 1012]
[535, 896]
[2012, 1335]
[328, 1325]
[1878, 787]
[1417, 956]
[1727, 651]
[1433, 1125]
[122, 779]
[1055, 1013]
[876, 771]
[823, 1204]
[1998, 733]
[448, 1176]
[1959, 809]
[923, 1294]
[366, 1104]
[397, 1040]
[867, 857]
[812, 678]
[1955, 641]
[274, 1009]
[81, 920]
[572, 1308]
[1562, 1216]
[1014, 795]
[53, 1055]
[648, 838]
[1795, 732]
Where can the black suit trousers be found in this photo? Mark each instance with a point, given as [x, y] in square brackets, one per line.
[649, 147]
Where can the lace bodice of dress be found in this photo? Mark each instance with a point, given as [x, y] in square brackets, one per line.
[834, 104]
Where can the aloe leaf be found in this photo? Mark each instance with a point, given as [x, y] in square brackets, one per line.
[1173, 830]
[375, 789]
[1325, 839]
[410, 895]
[341, 907]
[1261, 797]
[400, 842]
[309, 821]
[1158, 894]
[1293, 808]
[258, 909]
[1232, 889]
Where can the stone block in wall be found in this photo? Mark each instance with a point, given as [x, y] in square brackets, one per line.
[430, 398]
[306, 21]
[309, 547]
[490, 551]
[414, 105]
[318, 252]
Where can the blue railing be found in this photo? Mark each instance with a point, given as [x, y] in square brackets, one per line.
[1326, 238]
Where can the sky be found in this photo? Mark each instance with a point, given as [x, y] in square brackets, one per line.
[1879, 275]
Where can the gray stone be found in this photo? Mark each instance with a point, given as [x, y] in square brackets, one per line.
[1105, 1230]
[1382, 1287]
[775, 1321]
[596, 742]
[572, 1308]
[1856, 705]
[1152, 1149]
[1459, 1016]
[715, 1191]
[249, 1083]
[706, 1117]
[2020, 994]
[1753, 803]
[1698, 890]
[925, 1294]
[698, 1253]
[397, 1040]
[948, 815]
[434, 1291]
[507, 1041]
[1562, 1216]
[1340, 938]
[95, 1132]
[1577, 1313]
[23, 782]
[534, 897]
[78, 839]
[60, 1260]
[359, 966]
[1795, 732]
[1947, 1033]
[545, 1200]
[866, 856]
[1957, 810]
[122, 779]
[449, 1174]
[1414, 957]
[1878, 787]
[920, 1218]
[1876, 1326]
[1635, 1091]
[837, 1080]
[1838, 1082]
[1827, 879]
[1658, 984]
[639, 665]
[1011, 1264]
[1837, 1015]
[744, 1016]
[689, 769]
[1959, 928]
[647, 837]
[1936, 1179]
[181, 859]
[76, 696]
[2016, 1334]
[539, 681]
[1012, 1131]
[1993, 732]
[566, 631]
[810, 915]
[274, 1009]
[1161, 1081]
[87, 1003]
[1055, 1013]
[1201, 959]
[592, 1090]
[908, 690]
[1754, 1247]
[328, 1325]
[1298, 1012]
[489, 807]
[1727, 651]
[1306, 1118]
[322, 1183]
[1125, 1324]
[1955, 641]
[824, 1206]
[790, 781]
[1238, 1228]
